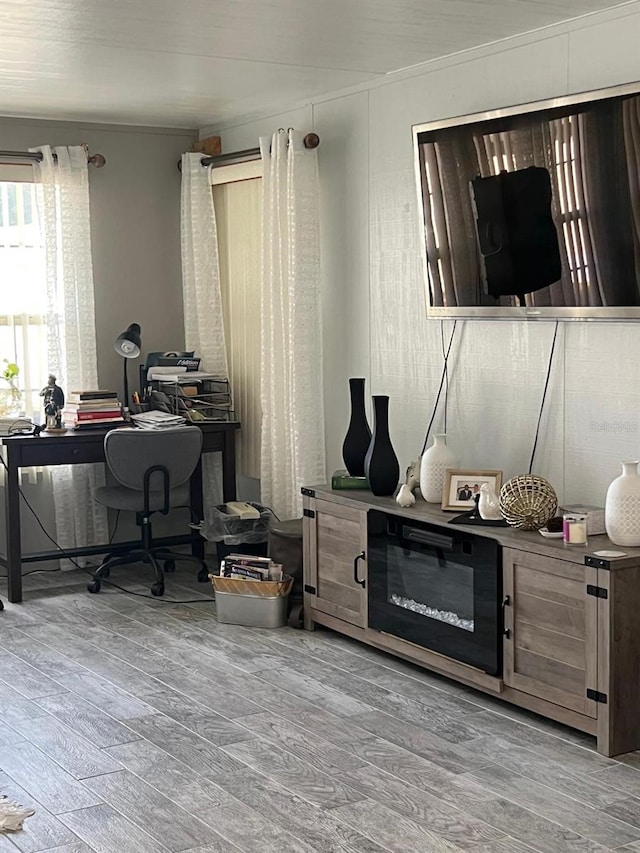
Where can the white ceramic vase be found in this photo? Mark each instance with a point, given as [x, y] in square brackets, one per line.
[622, 507]
[433, 466]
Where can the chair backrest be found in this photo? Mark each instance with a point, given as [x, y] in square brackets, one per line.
[131, 452]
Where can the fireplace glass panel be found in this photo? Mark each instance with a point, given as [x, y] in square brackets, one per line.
[431, 586]
[436, 587]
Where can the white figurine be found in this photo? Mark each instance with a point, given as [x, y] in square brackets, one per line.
[405, 496]
[489, 504]
[412, 479]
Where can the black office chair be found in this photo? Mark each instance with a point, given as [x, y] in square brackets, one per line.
[152, 469]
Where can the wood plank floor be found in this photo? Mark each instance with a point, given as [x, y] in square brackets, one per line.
[137, 726]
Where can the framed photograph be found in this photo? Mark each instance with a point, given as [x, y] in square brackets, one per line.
[461, 487]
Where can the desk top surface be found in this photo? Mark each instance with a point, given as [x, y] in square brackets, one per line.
[98, 434]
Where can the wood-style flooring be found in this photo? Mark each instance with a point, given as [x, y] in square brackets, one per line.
[137, 726]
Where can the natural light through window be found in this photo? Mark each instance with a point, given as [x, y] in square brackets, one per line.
[24, 297]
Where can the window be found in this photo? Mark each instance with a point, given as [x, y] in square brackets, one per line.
[237, 197]
[23, 305]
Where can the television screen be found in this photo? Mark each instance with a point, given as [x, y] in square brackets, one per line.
[534, 211]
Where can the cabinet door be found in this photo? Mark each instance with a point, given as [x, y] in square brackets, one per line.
[550, 643]
[337, 538]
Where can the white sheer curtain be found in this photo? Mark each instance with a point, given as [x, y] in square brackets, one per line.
[62, 195]
[293, 450]
[203, 318]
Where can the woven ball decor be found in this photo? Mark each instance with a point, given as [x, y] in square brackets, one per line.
[528, 502]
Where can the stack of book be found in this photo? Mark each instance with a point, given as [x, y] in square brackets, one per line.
[250, 568]
[91, 409]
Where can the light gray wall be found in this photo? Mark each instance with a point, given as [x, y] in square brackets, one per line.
[373, 284]
[135, 229]
[135, 235]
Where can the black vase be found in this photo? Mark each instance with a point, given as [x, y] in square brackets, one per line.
[381, 463]
[356, 441]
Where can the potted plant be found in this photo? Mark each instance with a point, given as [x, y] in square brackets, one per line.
[10, 397]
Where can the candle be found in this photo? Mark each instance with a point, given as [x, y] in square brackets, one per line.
[574, 529]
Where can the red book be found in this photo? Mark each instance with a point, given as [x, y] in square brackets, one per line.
[98, 416]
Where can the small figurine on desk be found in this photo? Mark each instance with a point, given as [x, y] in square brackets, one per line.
[53, 403]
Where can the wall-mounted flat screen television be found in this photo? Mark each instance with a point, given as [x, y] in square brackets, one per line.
[534, 211]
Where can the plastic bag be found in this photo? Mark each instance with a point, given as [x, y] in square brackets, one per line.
[222, 526]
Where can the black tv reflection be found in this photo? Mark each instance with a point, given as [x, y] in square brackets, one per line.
[537, 208]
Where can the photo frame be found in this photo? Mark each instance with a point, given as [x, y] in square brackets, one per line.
[462, 485]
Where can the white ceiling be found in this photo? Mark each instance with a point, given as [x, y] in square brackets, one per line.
[210, 62]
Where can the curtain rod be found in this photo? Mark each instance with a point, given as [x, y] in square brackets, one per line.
[311, 140]
[96, 160]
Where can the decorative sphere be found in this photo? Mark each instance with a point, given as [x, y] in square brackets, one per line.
[528, 502]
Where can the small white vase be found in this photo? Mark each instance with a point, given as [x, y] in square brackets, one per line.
[433, 466]
[622, 507]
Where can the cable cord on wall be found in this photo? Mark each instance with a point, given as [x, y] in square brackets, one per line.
[544, 396]
[444, 377]
[82, 568]
[445, 356]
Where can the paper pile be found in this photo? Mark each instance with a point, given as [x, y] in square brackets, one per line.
[157, 420]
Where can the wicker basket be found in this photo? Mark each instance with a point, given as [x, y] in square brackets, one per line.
[260, 589]
[528, 502]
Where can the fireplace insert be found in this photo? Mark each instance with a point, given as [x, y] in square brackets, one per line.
[437, 588]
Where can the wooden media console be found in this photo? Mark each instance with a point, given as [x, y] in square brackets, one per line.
[570, 629]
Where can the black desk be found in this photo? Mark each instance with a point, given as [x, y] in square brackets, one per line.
[74, 448]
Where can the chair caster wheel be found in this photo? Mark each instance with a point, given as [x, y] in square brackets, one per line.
[203, 575]
[169, 566]
[157, 589]
[103, 572]
[94, 586]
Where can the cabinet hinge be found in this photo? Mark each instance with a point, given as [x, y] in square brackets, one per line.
[596, 696]
[308, 492]
[310, 589]
[308, 513]
[597, 562]
[597, 591]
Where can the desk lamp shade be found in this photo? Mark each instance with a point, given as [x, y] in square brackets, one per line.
[128, 344]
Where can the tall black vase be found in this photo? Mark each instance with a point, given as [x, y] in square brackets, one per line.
[356, 441]
[381, 463]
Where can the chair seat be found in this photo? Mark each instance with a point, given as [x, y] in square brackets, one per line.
[120, 497]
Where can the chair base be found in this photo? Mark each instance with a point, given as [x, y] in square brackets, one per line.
[151, 556]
